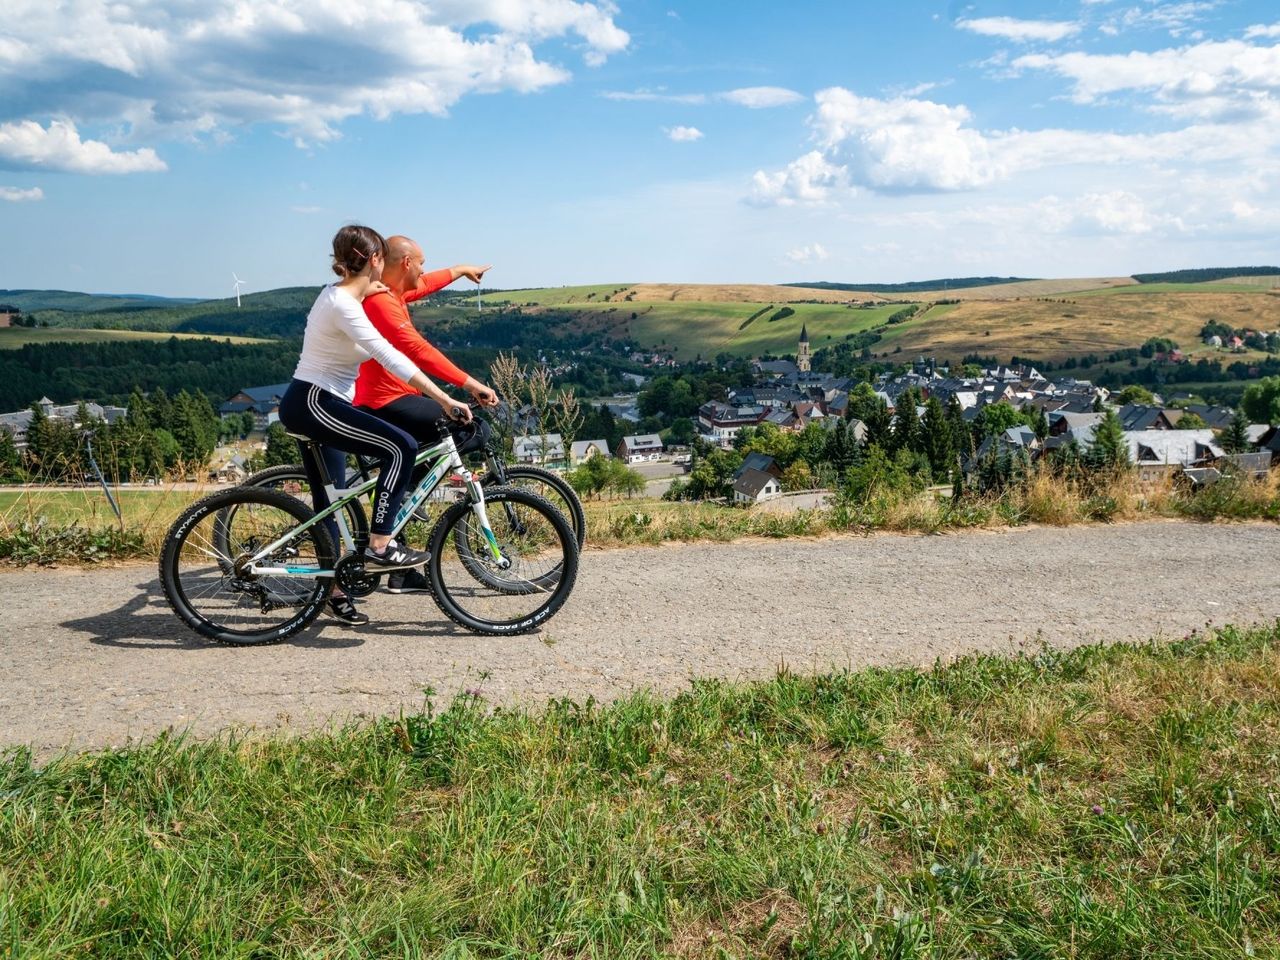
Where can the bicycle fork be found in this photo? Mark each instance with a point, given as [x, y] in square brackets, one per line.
[482, 514]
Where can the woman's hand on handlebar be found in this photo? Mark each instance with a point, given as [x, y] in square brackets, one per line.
[459, 411]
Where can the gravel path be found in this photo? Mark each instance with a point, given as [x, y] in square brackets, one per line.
[93, 657]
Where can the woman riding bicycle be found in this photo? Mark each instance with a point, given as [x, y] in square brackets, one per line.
[318, 402]
[386, 397]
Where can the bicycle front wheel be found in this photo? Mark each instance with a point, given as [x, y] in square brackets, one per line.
[528, 568]
[204, 575]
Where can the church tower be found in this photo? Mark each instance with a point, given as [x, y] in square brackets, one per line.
[802, 355]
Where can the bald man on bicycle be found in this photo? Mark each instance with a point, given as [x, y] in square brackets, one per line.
[382, 394]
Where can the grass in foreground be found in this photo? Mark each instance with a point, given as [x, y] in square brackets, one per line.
[1110, 802]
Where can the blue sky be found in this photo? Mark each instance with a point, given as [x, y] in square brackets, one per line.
[156, 147]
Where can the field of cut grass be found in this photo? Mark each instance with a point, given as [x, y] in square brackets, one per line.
[1234, 285]
[11, 338]
[1058, 328]
[1110, 802]
[694, 329]
[553, 296]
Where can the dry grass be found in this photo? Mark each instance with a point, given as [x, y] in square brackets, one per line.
[767, 293]
[1056, 329]
[740, 293]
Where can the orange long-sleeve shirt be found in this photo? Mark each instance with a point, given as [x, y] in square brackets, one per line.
[389, 314]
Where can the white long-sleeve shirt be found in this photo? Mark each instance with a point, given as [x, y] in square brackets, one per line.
[338, 338]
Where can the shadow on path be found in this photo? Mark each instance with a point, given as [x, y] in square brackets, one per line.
[145, 621]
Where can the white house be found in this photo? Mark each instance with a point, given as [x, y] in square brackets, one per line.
[755, 485]
[529, 449]
[582, 450]
[637, 449]
[1157, 453]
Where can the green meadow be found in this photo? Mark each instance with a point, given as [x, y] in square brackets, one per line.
[1109, 802]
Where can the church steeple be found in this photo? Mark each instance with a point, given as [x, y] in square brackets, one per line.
[802, 355]
[804, 333]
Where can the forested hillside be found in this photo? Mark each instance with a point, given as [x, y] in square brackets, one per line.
[108, 372]
[273, 313]
[915, 286]
[1205, 274]
[28, 301]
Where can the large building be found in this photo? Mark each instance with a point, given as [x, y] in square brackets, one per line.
[262, 402]
[720, 422]
[18, 422]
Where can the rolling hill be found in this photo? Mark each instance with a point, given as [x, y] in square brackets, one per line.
[1047, 319]
[1043, 319]
[28, 301]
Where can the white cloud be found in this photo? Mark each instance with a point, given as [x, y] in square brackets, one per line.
[1258, 31]
[18, 195]
[1116, 211]
[808, 180]
[810, 252]
[654, 96]
[1217, 79]
[1176, 18]
[684, 134]
[903, 143]
[27, 145]
[304, 65]
[759, 97]
[1021, 31]
[755, 98]
[306, 209]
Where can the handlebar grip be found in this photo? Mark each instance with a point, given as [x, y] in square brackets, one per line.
[456, 412]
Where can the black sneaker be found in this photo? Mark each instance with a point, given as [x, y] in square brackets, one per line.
[344, 609]
[407, 581]
[395, 556]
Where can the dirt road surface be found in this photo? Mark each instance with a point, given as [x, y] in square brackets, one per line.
[91, 658]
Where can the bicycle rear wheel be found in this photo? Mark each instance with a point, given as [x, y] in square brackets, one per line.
[203, 573]
[520, 591]
[551, 486]
[291, 478]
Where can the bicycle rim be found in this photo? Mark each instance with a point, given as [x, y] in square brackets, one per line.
[543, 555]
[554, 489]
[203, 567]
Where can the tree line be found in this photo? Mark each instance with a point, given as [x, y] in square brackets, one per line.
[158, 436]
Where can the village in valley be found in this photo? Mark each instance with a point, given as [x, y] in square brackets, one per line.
[1171, 436]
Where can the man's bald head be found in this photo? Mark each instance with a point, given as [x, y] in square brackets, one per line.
[404, 264]
[399, 247]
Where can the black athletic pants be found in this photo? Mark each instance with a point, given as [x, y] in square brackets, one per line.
[330, 420]
[419, 416]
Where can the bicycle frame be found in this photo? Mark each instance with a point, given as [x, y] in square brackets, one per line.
[444, 458]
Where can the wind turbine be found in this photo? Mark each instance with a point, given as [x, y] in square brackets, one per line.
[238, 284]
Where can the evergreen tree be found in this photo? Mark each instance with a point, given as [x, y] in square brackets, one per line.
[1235, 439]
[841, 449]
[879, 425]
[138, 413]
[1109, 450]
[37, 437]
[906, 423]
[10, 461]
[160, 410]
[281, 448]
[961, 435]
[937, 439]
